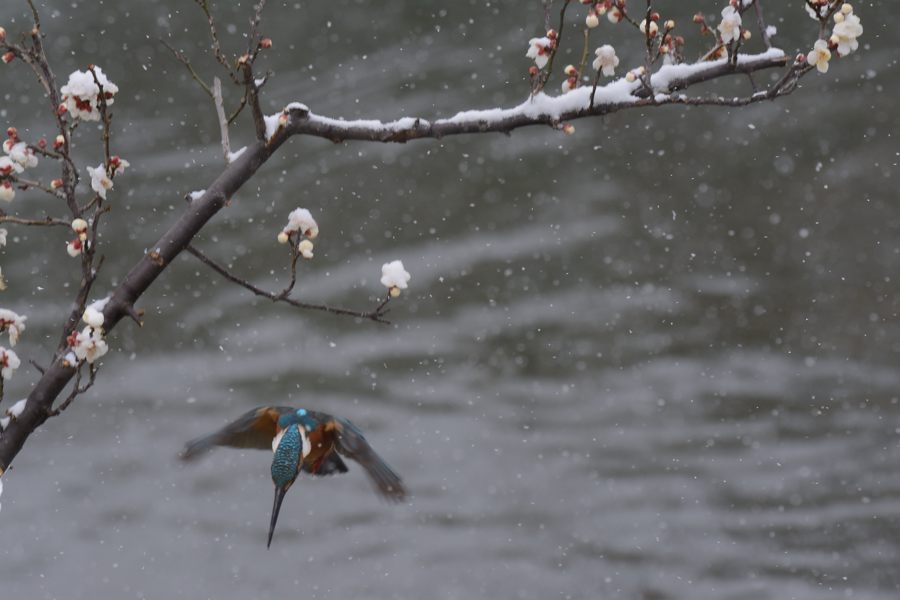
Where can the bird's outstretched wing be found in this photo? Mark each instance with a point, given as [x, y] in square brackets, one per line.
[253, 429]
[351, 443]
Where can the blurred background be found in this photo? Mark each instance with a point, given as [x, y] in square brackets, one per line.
[655, 359]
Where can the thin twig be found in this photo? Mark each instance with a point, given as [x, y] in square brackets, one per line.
[223, 122]
[377, 314]
[180, 57]
[761, 21]
[46, 221]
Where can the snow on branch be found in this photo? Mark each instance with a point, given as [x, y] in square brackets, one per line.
[542, 109]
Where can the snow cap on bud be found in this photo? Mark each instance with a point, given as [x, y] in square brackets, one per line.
[80, 226]
[92, 317]
[394, 277]
[592, 20]
[59, 142]
[670, 24]
[570, 71]
[283, 237]
[8, 57]
[305, 248]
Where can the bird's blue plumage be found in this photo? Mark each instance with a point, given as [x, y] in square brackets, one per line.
[287, 457]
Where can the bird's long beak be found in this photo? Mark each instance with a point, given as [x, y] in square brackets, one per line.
[280, 491]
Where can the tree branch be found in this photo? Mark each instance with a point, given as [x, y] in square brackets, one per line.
[376, 314]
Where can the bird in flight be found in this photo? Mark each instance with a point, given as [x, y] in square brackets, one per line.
[301, 440]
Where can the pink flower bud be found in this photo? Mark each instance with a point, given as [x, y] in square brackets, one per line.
[8, 57]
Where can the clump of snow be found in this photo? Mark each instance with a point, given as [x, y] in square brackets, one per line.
[196, 195]
[300, 219]
[233, 156]
[81, 95]
[394, 277]
[17, 409]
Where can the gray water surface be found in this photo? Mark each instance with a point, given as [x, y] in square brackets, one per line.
[656, 359]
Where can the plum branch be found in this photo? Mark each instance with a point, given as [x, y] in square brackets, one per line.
[639, 88]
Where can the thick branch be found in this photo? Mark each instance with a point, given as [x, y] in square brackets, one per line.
[545, 110]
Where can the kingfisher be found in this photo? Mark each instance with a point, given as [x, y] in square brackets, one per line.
[301, 440]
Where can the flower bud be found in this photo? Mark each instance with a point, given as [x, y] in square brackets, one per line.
[670, 24]
[2, 35]
[306, 249]
[8, 57]
[56, 184]
[846, 8]
[746, 34]
[283, 238]
[12, 132]
[79, 226]
[59, 142]
[265, 43]
[570, 71]
[568, 129]
[395, 292]
[592, 20]
[74, 247]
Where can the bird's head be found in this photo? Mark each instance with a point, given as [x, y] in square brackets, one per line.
[290, 446]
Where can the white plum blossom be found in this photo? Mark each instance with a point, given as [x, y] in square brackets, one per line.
[306, 249]
[89, 344]
[606, 61]
[730, 27]
[9, 362]
[17, 409]
[8, 166]
[539, 50]
[118, 165]
[394, 277]
[92, 317]
[847, 28]
[819, 56]
[301, 220]
[100, 181]
[74, 247]
[81, 94]
[13, 323]
[20, 153]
